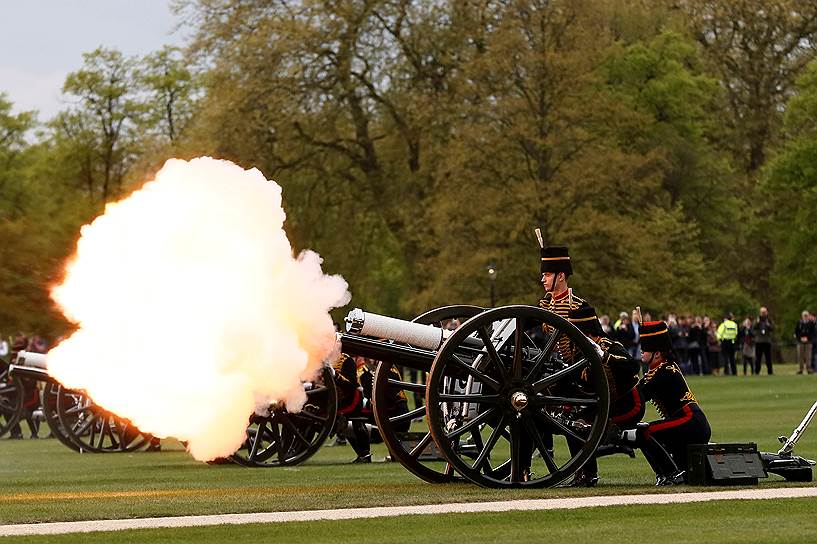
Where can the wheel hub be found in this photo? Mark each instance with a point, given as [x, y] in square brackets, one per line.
[519, 401]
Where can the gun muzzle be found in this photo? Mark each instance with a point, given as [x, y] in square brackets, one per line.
[31, 359]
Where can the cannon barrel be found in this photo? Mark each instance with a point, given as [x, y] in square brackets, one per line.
[381, 350]
[31, 365]
[394, 340]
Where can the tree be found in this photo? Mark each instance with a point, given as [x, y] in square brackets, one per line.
[13, 129]
[170, 89]
[757, 49]
[99, 130]
[790, 184]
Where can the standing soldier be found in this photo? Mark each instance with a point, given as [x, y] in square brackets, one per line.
[559, 299]
[683, 422]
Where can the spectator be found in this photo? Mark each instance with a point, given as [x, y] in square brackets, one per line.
[679, 334]
[746, 345]
[803, 335]
[727, 334]
[624, 333]
[697, 345]
[763, 329]
[713, 347]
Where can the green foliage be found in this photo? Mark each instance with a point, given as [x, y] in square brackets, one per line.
[791, 187]
[416, 142]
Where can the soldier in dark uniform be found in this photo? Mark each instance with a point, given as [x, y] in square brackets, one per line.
[556, 269]
[626, 405]
[626, 408]
[683, 422]
[350, 407]
[559, 298]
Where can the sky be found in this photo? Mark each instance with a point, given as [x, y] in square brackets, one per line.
[41, 41]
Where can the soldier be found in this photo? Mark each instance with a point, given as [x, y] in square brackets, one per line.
[683, 422]
[350, 406]
[559, 299]
[626, 408]
[626, 405]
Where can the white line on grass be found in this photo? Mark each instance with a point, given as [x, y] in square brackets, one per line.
[358, 513]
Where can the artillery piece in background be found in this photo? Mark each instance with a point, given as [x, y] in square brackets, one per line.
[72, 416]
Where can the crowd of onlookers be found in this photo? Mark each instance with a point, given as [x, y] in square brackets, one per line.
[709, 346]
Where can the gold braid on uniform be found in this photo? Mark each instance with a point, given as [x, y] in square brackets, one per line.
[561, 308]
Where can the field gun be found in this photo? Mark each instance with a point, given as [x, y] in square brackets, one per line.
[72, 416]
[502, 405]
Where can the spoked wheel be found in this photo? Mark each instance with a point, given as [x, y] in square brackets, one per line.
[93, 429]
[283, 438]
[11, 401]
[50, 394]
[414, 451]
[532, 412]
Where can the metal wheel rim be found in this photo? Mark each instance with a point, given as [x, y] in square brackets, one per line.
[385, 423]
[11, 401]
[93, 429]
[290, 438]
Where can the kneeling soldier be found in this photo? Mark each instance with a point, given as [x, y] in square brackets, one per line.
[683, 420]
[626, 406]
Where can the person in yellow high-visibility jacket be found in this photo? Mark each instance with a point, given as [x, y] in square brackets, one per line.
[727, 333]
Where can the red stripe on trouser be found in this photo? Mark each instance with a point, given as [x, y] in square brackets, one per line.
[352, 405]
[671, 423]
[634, 411]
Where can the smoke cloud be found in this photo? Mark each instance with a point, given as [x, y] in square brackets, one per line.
[192, 310]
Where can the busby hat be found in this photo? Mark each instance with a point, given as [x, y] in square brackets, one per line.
[585, 320]
[655, 337]
[556, 259]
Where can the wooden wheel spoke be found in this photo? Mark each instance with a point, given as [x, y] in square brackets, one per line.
[408, 386]
[492, 353]
[518, 334]
[279, 444]
[259, 433]
[565, 401]
[81, 426]
[474, 423]
[493, 438]
[421, 446]
[540, 445]
[417, 412]
[567, 431]
[484, 378]
[291, 426]
[516, 466]
[556, 377]
[544, 354]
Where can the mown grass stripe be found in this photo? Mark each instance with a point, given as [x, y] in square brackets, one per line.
[377, 512]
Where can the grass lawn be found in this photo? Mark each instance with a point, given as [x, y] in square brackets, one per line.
[789, 521]
[41, 480]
